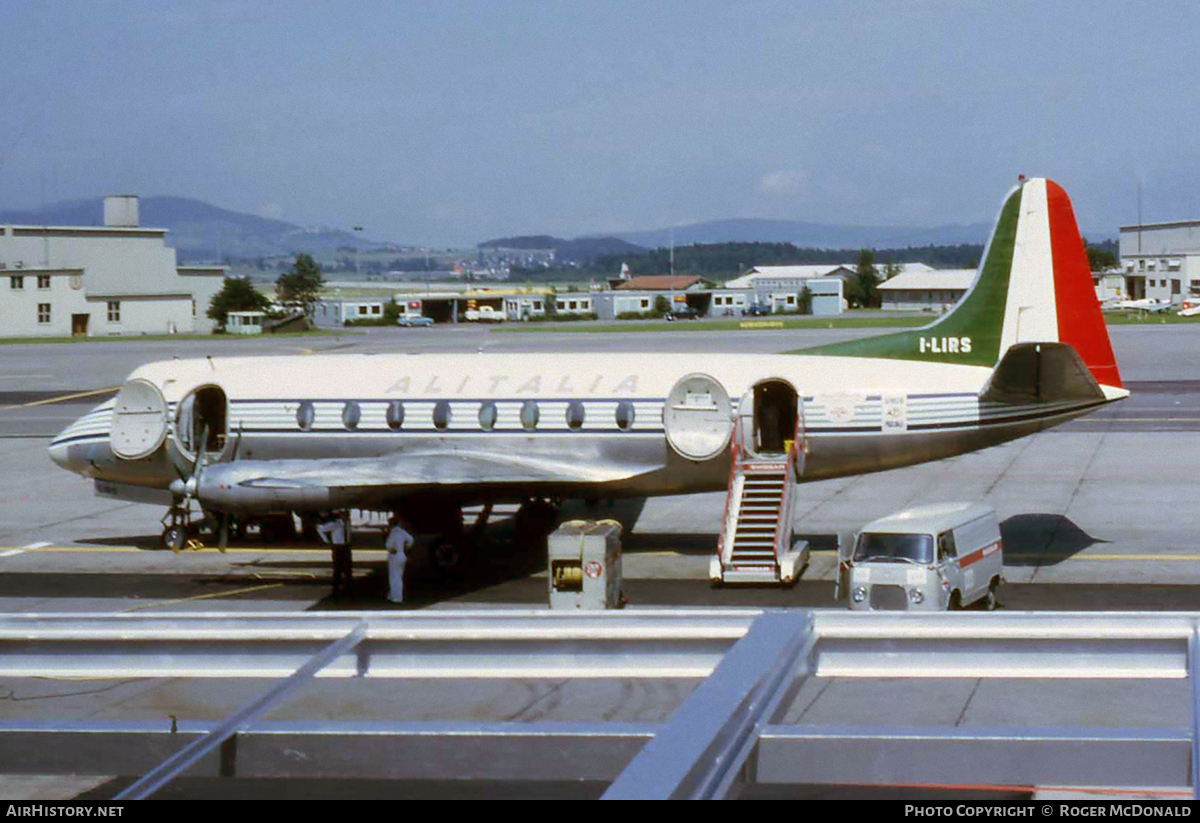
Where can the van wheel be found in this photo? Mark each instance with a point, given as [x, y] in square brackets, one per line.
[989, 600]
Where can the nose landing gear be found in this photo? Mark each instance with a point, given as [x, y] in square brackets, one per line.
[179, 532]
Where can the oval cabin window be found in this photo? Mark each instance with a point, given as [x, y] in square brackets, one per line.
[575, 415]
[625, 415]
[487, 416]
[441, 415]
[395, 415]
[351, 414]
[529, 415]
[305, 415]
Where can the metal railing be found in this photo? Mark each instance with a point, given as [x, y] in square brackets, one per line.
[728, 732]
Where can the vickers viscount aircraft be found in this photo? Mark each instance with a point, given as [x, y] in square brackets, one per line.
[426, 434]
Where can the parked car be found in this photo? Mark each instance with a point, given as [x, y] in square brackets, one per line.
[757, 310]
[684, 313]
[414, 320]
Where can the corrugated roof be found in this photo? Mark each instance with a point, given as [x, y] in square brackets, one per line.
[931, 279]
[809, 272]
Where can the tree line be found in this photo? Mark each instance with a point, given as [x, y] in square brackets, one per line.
[724, 261]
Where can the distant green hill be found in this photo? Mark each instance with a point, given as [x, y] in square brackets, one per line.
[583, 250]
[199, 231]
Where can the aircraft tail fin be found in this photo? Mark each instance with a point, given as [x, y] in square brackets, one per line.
[1034, 284]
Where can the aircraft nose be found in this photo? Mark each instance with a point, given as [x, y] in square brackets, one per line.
[59, 453]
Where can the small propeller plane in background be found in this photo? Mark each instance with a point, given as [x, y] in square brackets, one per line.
[423, 435]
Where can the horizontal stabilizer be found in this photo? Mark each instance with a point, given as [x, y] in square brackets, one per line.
[1041, 373]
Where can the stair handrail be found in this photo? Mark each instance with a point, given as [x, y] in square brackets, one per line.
[724, 543]
[783, 526]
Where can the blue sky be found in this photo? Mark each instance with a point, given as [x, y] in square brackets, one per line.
[447, 123]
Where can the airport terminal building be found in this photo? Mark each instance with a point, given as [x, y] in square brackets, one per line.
[94, 281]
[1161, 260]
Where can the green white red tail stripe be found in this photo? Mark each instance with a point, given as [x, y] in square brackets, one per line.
[1033, 285]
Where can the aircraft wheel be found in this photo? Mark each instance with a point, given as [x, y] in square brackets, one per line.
[452, 555]
[955, 602]
[174, 537]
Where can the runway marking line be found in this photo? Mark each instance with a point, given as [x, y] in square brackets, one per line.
[63, 398]
[41, 545]
[12, 553]
[209, 596]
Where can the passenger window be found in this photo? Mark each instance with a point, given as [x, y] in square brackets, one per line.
[351, 414]
[625, 415]
[529, 415]
[946, 548]
[487, 416]
[395, 415]
[441, 415]
[575, 415]
[305, 415]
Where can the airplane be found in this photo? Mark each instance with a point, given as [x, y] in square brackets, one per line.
[1149, 304]
[1190, 307]
[248, 439]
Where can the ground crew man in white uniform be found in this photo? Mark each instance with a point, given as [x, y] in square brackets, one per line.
[398, 543]
[335, 530]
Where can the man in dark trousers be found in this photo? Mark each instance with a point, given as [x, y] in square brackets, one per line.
[335, 530]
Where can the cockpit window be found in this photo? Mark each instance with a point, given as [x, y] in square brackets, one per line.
[913, 548]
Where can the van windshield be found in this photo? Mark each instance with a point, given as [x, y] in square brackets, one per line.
[914, 548]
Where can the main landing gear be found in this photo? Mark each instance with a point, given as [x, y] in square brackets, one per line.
[456, 546]
[454, 550]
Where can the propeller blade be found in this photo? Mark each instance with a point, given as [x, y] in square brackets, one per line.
[200, 447]
[237, 445]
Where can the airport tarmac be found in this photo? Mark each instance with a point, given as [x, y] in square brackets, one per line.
[1097, 515]
[1105, 500]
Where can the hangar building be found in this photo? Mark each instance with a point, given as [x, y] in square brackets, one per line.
[933, 289]
[1161, 260]
[115, 279]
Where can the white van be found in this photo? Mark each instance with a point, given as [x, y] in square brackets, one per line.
[929, 558]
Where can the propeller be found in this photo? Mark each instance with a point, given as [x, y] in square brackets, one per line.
[186, 487]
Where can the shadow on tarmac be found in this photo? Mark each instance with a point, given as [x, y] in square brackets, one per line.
[1042, 539]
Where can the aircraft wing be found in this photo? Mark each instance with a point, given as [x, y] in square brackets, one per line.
[431, 468]
[234, 484]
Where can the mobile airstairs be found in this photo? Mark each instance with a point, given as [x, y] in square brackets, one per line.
[756, 543]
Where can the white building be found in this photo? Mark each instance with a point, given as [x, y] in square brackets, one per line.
[786, 278]
[1161, 260]
[365, 309]
[116, 279]
[929, 289]
[575, 303]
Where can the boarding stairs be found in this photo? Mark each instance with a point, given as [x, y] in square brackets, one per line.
[756, 544]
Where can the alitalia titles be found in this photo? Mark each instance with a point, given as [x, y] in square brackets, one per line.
[945, 345]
